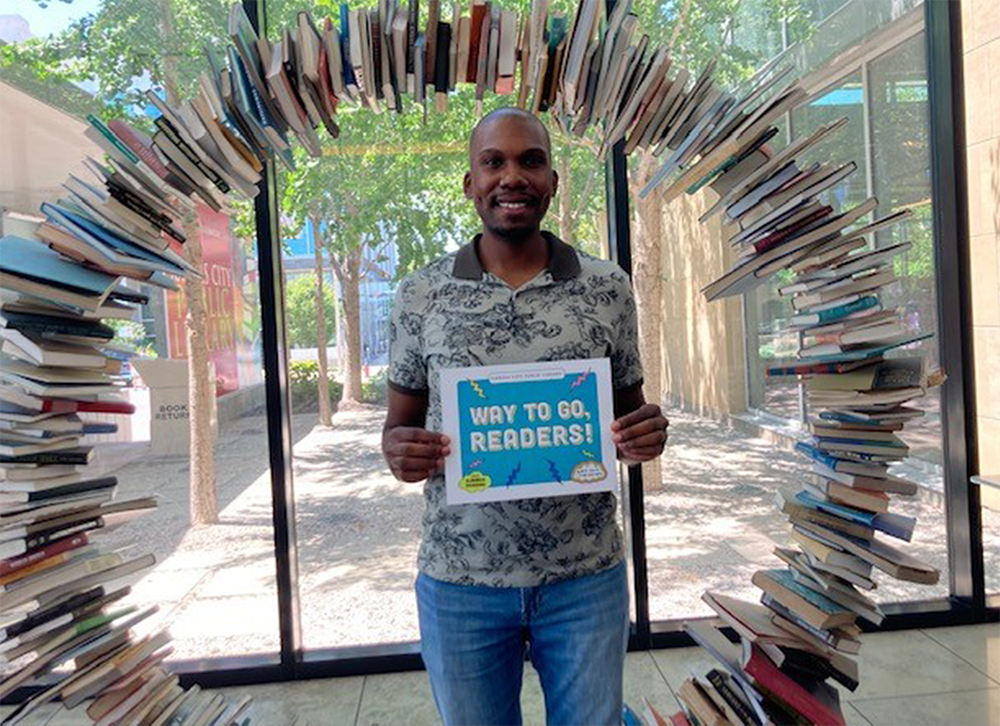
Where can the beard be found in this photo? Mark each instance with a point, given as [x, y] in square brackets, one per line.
[514, 235]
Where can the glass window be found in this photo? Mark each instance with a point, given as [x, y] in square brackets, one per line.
[382, 201]
[718, 453]
[214, 578]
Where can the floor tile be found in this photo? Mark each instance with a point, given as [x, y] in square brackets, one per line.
[852, 716]
[909, 663]
[977, 644]
[532, 698]
[644, 680]
[398, 699]
[319, 702]
[678, 664]
[970, 708]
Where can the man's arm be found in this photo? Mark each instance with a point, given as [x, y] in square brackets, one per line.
[412, 452]
[640, 429]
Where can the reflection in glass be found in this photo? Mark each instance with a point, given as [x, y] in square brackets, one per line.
[214, 578]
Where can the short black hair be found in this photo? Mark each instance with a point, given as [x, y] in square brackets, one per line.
[506, 111]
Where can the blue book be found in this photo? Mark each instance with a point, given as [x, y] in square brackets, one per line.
[863, 442]
[867, 353]
[34, 261]
[851, 514]
[99, 427]
[109, 244]
[822, 317]
[345, 45]
[785, 581]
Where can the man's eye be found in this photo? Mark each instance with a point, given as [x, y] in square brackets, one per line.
[535, 161]
[491, 161]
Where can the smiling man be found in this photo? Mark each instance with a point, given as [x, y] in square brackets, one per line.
[544, 574]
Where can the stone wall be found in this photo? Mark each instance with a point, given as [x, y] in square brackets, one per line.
[981, 48]
[703, 342]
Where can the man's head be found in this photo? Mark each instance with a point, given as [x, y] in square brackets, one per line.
[510, 177]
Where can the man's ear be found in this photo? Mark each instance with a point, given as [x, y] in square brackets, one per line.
[467, 185]
[555, 182]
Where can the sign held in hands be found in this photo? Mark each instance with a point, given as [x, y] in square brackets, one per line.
[528, 430]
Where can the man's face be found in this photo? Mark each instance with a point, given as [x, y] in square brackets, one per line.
[511, 180]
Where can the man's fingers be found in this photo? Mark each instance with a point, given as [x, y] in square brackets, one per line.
[641, 428]
[416, 451]
[417, 435]
[643, 412]
[656, 438]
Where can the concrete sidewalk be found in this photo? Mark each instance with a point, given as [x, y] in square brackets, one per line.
[711, 526]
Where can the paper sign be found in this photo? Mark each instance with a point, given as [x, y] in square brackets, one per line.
[528, 430]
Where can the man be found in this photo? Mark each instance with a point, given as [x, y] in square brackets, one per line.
[545, 572]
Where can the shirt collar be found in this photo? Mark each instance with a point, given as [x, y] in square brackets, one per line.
[564, 263]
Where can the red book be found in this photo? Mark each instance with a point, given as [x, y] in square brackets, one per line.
[767, 675]
[776, 238]
[475, 35]
[135, 143]
[679, 719]
[66, 544]
[61, 405]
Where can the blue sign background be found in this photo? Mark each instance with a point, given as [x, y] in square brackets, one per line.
[522, 466]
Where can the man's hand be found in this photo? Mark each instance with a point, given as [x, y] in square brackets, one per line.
[414, 453]
[640, 435]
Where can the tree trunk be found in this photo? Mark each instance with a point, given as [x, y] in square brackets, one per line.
[201, 389]
[565, 196]
[647, 279]
[323, 381]
[350, 285]
[338, 321]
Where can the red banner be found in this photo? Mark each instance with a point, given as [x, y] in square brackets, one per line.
[222, 303]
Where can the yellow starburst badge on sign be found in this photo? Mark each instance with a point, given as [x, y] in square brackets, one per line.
[475, 481]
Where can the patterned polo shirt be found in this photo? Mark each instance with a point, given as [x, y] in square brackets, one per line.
[453, 314]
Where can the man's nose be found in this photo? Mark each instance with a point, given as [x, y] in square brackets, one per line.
[513, 178]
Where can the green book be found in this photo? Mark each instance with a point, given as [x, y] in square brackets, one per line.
[112, 139]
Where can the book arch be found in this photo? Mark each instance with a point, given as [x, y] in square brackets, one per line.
[590, 73]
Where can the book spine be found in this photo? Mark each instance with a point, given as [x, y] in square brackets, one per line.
[412, 30]
[171, 133]
[441, 72]
[147, 214]
[475, 33]
[842, 311]
[133, 142]
[43, 538]
[376, 46]
[48, 457]
[773, 240]
[64, 326]
[345, 44]
[55, 548]
[720, 685]
[795, 696]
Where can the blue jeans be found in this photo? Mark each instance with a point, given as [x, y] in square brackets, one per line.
[473, 641]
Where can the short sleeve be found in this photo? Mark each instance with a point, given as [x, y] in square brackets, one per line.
[626, 366]
[407, 365]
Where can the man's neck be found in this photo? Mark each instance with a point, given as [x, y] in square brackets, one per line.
[513, 262]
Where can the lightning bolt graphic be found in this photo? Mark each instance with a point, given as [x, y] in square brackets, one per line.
[477, 388]
[579, 379]
[587, 454]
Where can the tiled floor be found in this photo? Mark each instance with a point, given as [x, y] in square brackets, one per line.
[944, 676]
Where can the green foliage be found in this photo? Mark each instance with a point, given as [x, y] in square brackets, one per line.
[300, 311]
[303, 377]
[134, 335]
[376, 388]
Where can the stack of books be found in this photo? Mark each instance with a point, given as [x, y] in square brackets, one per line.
[589, 72]
[62, 596]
